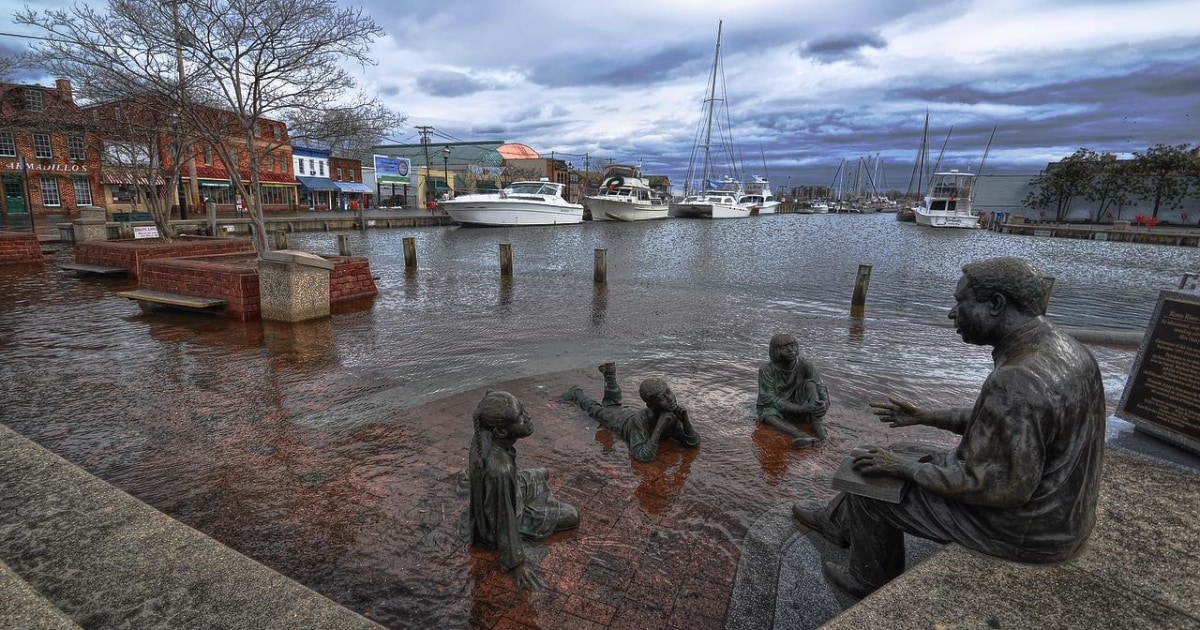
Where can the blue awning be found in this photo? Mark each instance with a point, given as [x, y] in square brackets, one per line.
[353, 187]
[316, 183]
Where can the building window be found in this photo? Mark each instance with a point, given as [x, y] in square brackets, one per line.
[35, 99]
[322, 165]
[8, 143]
[83, 191]
[300, 164]
[41, 146]
[234, 157]
[208, 155]
[75, 148]
[339, 174]
[312, 166]
[50, 192]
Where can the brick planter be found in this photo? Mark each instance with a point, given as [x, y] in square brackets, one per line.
[132, 254]
[234, 278]
[350, 279]
[229, 277]
[20, 248]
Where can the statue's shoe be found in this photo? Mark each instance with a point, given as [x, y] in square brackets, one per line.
[572, 395]
[818, 521]
[608, 369]
[840, 577]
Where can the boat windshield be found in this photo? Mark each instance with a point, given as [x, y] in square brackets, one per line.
[533, 188]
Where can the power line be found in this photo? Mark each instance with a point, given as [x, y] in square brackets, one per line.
[26, 36]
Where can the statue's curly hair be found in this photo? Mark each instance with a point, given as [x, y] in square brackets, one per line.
[1014, 278]
[652, 386]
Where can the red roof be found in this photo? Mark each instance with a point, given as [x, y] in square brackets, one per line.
[517, 151]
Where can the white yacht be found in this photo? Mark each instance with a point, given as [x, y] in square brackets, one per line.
[521, 203]
[625, 196]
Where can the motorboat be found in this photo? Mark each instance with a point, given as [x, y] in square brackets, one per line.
[948, 194]
[520, 203]
[711, 205]
[625, 196]
[758, 197]
[947, 204]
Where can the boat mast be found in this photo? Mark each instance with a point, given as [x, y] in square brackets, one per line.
[711, 104]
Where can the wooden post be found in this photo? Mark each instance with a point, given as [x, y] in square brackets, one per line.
[506, 262]
[410, 253]
[343, 245]
[281, 239]
[861, 283]
[600, 274]
[1049, 282]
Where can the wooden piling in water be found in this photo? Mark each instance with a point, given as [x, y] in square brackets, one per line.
[343, 245]
[861, 283]
[410, 253]
[506, 262]
[600, 274]
[1048, 281]
[281, 239]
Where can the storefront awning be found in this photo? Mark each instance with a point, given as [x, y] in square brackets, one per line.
[316, 183]
[353, 187]
[124, 179]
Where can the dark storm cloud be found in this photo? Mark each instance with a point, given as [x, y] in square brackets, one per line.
[449, 84]
[607, 70]
[846, 47]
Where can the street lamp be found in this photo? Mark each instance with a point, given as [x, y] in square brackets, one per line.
[446, 170]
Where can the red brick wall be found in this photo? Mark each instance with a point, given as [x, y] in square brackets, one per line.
[350, 279]
[131, 254]
[20, 248]
[232, 277]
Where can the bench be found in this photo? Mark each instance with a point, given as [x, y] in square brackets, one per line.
[147, 297]
[98, 269]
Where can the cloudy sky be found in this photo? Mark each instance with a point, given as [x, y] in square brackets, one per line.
[808, 83]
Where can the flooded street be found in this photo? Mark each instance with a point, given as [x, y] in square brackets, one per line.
[330, 451]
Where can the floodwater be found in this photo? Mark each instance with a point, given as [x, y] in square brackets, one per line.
[330, 450]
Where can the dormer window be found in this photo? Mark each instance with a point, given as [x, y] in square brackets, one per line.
[35, 99]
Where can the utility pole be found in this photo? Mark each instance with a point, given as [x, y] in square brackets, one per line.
[192, 198]
[424, 130]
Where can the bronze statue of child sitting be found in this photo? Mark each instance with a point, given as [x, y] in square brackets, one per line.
[790, 393]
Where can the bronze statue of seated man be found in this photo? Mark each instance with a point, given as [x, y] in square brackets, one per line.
[1023, 482]
[642, 429]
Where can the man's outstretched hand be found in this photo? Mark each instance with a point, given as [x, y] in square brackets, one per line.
[897, 412]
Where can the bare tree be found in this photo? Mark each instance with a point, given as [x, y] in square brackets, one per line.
[123, 64]
[227, 68]
[347, 130]
[1110, 187]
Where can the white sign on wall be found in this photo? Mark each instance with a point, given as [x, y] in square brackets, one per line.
[145, 231]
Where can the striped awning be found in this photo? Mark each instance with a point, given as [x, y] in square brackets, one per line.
[125, 179]
[353, 187]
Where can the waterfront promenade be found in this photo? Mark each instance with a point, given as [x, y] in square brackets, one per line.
[330, 452]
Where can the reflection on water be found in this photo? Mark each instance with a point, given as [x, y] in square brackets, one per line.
[305, 445]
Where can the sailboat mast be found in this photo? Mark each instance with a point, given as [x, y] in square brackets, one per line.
[712, 99]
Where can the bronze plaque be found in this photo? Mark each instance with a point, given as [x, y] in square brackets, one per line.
[1162, 395]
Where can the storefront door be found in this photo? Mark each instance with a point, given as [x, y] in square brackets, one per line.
[14, 199]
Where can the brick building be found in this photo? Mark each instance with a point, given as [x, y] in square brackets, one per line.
[49, 155]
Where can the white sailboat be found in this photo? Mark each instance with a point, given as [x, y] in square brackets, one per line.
[706, 196]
